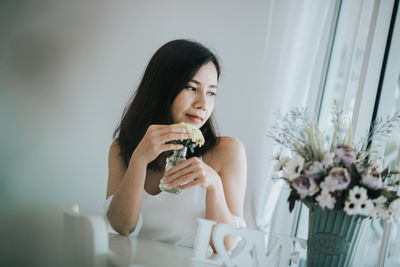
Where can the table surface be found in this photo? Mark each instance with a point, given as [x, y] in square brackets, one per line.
[141, 252]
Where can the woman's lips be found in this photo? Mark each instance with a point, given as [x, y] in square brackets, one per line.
[194, 117]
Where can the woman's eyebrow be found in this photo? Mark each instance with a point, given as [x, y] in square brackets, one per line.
[197, 82]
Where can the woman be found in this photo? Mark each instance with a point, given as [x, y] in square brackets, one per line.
[179, 85]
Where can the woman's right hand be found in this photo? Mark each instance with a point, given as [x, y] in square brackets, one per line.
[155, 141]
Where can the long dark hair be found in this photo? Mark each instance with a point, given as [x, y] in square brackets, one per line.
[168, 72]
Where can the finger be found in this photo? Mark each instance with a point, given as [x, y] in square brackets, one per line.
[164, 129]
[190, 184]
[156, 131]
[157, 128]
[169, 147]
[179, 174]
[178, 129]
[180, 166]
[168, 137]
[183, 180]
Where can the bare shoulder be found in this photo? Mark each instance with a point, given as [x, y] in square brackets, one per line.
[114, 149]
[229, 152]
[227, 144]
[115, 160]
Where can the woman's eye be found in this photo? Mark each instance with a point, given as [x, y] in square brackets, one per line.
[191, 88]
[212, 93]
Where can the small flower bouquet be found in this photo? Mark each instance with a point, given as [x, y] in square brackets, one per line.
[335, 174]
[196, 138]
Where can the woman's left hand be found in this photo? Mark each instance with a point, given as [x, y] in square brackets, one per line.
[192, 172]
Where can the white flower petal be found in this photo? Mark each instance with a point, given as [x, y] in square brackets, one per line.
[293, 168]
[358, 195]
[366, 207]
[194, 133]
[325, 200]
[329, 185]
[327, 160]
[350, 208]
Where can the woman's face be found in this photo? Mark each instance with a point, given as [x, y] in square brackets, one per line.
[195, 103]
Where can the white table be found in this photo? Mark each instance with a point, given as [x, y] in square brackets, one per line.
[141, 252]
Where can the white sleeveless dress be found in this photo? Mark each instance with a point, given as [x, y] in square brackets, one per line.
[170, 218]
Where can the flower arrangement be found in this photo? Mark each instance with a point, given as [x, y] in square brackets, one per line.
[196, 138]
[335, 173]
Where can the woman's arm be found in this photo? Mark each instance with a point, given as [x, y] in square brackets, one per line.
[225, 199]
[127, 183]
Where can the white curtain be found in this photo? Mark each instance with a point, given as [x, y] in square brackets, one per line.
[295, 50]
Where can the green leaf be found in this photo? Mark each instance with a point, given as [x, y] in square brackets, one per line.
[292, 200]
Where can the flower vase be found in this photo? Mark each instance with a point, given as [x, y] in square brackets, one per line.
[333, 237]
[173, 160]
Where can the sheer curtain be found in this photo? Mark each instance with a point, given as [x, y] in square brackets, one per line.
[296, 48]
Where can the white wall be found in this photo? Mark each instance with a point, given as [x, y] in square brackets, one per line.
[67, 69]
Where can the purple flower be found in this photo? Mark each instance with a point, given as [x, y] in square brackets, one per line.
[345, 154]
[340, 177]
[305, 186]
[313, 170]
[372, 178]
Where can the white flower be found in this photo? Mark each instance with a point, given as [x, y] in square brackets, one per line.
[293, 168]
[281, 162]
[305, 186]
[358, 202]
[313, 169]
[365, 207]
[358, 195]
[327, 160]
[328, 185]
[350, 208]
[372, 178]
[379, 207]
[394, 209]
[340, 176]
[284, 160]
[278, 166]
[345, 154]
[381, 200]
[325, 199]
[195, 135]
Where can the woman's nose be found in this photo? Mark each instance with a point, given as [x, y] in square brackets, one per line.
[201, 102]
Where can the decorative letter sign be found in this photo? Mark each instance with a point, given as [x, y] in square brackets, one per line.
[249, 251]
